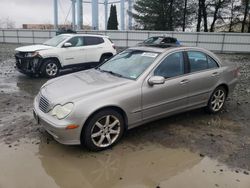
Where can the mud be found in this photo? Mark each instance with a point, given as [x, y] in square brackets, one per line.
[192, 149]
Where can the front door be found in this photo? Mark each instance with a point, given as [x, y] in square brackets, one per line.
[159, 100]
[74, 54]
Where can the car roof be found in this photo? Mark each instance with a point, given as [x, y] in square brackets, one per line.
[171, 48]
[83, 34]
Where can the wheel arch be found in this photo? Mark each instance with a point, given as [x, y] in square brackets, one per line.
[54, 58]
[225, 86]
[109, 54]
[113, 107]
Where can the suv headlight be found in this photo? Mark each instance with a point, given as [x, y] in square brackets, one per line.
[31, 54]
[61, 111]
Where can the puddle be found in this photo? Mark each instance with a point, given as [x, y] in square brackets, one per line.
[151, 165]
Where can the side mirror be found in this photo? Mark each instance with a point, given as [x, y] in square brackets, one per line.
[156, 80]
[67, 44]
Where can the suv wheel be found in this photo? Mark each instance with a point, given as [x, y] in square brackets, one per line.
[104, 58]
[217, 100]
[50, 68]
[103, 130]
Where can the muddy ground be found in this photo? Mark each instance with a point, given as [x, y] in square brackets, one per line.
[192, 149]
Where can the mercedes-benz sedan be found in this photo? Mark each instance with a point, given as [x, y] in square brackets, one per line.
[141, 84]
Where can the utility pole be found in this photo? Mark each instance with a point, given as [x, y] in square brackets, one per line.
[106, 13]
[122, 16]
[95, 20]
[73, 14]
[55, 14]
[79, 14]
[130, 14]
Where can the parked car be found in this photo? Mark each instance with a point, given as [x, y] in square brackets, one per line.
[63, 51]
[141, 84]
[64, 31]
[160, 41]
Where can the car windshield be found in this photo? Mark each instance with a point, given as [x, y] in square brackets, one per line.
[56, 40]
[129, 63]
[153, 40]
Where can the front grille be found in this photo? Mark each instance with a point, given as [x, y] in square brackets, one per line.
[44, 104]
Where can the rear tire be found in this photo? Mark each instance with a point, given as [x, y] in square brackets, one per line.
[103, 130]
[51, 68]
[104, 58]
[217, 100]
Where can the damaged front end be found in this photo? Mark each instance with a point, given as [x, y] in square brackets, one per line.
[28, 62]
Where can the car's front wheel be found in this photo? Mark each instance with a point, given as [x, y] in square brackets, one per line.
[217, 100]
[50, 68]
[103, 130]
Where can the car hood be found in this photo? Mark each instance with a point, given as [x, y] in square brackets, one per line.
[80, 85]
[33, 48]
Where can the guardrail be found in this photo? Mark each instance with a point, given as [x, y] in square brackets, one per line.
[218, 42]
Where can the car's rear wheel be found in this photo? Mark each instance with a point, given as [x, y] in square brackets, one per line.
[103, 130]
[217, 100]
[50, 68]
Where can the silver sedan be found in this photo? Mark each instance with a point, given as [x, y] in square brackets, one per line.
[141, 84]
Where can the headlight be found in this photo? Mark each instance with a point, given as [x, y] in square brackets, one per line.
[31, 54]
[61, 111]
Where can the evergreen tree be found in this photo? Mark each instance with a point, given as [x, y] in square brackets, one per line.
[112, 21]
[162, 14]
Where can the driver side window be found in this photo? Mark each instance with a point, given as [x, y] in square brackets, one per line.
[76, 41]
[171, 66]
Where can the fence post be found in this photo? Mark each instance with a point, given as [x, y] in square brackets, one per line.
[223, 41]
[3, 37]
[33, 37]
[197, 38]
[127, 39]
[18, 42]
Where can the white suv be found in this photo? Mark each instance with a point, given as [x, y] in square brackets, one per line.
[63, 51]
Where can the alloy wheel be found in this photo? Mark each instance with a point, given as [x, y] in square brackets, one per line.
[218, 100]
[105, 131]
[51, 69]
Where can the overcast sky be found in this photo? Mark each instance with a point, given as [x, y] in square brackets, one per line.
[41, 12]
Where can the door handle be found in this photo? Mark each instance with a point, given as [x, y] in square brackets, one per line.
[184, 81]
[215, 73]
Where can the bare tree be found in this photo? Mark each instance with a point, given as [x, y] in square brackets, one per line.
[7, 23]
[245, 3]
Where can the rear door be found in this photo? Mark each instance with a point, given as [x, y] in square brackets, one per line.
[93, 47]
[159, 100]
[203, 77]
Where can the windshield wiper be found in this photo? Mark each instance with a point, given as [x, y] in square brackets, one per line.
[110, 72]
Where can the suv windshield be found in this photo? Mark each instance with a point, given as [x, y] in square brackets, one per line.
[129, 63]
[56, 40]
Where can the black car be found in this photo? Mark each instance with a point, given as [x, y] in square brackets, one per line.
[160, 40]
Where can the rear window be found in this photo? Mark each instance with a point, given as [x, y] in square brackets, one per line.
[93, 40]
[197, 60]
[212, 63]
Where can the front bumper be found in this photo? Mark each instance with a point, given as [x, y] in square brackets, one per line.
[57, 128]
[28, 65]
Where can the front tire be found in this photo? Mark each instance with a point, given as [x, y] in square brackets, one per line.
[50, 68]
[103, 130]
[217, 100]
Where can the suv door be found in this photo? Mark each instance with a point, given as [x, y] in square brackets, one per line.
[159, 100]
[74, 54]
[203, 77]
[93, 48]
